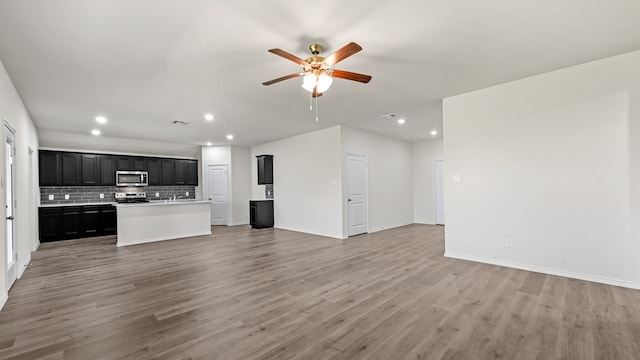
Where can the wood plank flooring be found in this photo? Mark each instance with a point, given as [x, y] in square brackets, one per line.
[264, 294]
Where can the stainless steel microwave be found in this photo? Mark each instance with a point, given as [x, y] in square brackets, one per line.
[132, 178]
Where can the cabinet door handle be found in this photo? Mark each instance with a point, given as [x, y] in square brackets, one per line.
[10, 217]
[349, 200]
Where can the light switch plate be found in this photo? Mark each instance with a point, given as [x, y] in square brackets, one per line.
[157, 194]
[66, 196]
[101, 196]
[51, 197]
[187, 193]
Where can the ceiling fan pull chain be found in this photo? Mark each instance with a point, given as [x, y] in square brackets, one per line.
[316, 109]
[310, 101]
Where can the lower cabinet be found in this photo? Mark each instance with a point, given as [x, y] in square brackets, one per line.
[261, 213]
[74, 222]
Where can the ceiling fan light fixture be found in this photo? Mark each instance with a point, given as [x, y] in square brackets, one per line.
[322, 82]
[309, 82]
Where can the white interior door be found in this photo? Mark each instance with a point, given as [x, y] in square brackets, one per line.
[218, 193]
[438, 185]
[9, 176]
[357, 198]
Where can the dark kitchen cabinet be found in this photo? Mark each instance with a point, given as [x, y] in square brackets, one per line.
[109, 220]
[155, 175]
[261, 213]
[180, 172]
[107, 170]
[167, 172]
[90, 169]
[49, 224]
[138, 164]
[192, 172]
[71, 169]
[265, 169]
[60, 168]
[124, 163]
[91, 221]
[73, 222]
[50, 165]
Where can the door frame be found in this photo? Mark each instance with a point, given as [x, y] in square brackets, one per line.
[435, 191]
[10, 268]
[227, 208]
[346, 192]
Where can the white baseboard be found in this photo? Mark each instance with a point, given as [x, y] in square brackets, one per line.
[22, 268]
[545, 270]
[3, 300]
[393, 226]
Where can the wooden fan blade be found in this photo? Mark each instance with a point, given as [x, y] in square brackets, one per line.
[342, 53]
[282, 78]
[288, 56]
[351, 76]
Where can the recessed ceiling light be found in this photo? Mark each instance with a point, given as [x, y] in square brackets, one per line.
[209, 143]
[401, 121]
[101, 119]
[434, 132]
[95, 132]
[229, 137]
[208, 117]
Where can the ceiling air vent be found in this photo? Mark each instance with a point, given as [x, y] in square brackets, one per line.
[388, 116]
[179, 122]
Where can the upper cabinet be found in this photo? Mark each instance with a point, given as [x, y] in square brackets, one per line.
[153, 168]
[90, 169]
[59, 168]
[265, 169]
[192, 172]
[167, 172]
[50, 164]
[107, 170]
[71, 169]
[180, 172]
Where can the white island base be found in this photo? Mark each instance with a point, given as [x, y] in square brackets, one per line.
[156, 221]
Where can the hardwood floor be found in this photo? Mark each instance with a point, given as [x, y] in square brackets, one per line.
[273, 294]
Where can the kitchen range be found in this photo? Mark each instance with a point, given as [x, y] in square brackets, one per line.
[130, 186]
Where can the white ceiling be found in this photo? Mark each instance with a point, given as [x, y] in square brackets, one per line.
[145, 63]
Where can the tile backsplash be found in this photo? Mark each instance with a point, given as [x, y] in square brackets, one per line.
[91, 194]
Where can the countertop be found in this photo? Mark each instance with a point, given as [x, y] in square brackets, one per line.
[163, 203]
[77, 204]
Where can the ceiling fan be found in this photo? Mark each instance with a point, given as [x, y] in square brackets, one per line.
[317, 72]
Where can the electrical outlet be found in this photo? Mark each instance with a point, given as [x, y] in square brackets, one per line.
[157, 194]
[186, 193]
[101, 196]
[66, 196]
[51, 197]
[509, 242]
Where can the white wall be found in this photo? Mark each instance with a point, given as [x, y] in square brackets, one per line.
[13, 111]
[425, 153]
[307, 175]
[390, 177]
[241, 185]
[236, 158]
[548, 162]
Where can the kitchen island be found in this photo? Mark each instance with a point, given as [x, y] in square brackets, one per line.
[140, 223]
